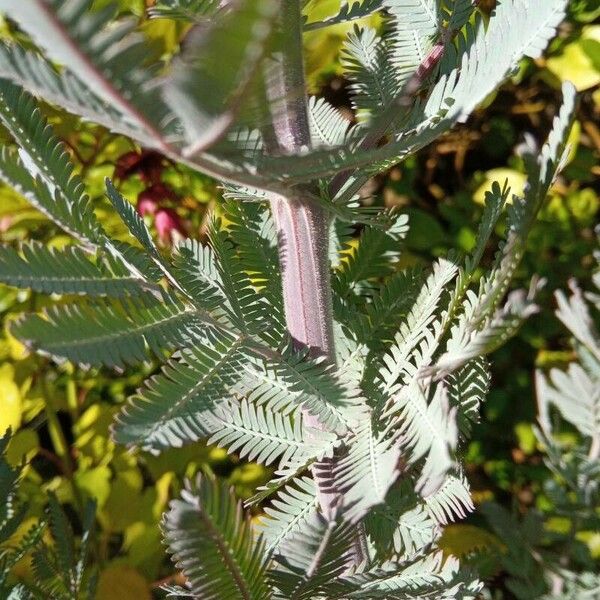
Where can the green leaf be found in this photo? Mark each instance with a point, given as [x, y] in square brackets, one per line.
[177, 405]
[467, 390]
[388, 308]
[262, 435]
[288, 512]
[132, 219]
[312, 558]
[109, 333]
[62, 533]
[425, 577]
[42, 171]
[248, 311]
[212, 543]
[38, 76]
[402, 525]
[207, 86]
[366, 62]
[59, 569]
[427, 430]
[65, 271]
[106, 56]
[253, 232]
[515, 30]
[9, 478]
[579, 61]
[483, 325]
[367, 470]
[377, 252]
[350, 11]
[193, 11]
[195, 269]
[417, 336]
[415, 27]
[328, 126]
[293, 380]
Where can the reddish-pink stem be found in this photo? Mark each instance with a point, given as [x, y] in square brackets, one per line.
[302, 226]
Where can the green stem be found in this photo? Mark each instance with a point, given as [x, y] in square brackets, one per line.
[59, 443]
[57, 436]
[71, 390]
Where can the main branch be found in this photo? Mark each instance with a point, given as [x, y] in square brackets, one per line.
[302, 226]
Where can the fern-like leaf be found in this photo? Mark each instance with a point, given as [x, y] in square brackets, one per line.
[349, 11]
[328, 127]
[192, 11]
[105, 55]
[575, 315]
[367, 471]
[212, 543]
[264, 435]
[288, 512]
[429, 577]
[451, 501]
[429, 431]
[483, 325]
[516, 29]
[314, 384]
[43, 172]
[401, 526]
[377, 251]
[417, 327]
[416, 24]
[60, 569]
[177, 405]
[252, 231]
[206, 87]
[366, 61]
[467, 390]
[65, 271]
[132, 220]
[388, 308]
[195, 269]
[38, 76]
[109, 333]
[246, 309]
[310, 559]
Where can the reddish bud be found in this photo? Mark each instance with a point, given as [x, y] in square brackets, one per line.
[126, 165]
[148, 164]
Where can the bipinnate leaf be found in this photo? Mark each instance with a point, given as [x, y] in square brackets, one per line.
[212, 542]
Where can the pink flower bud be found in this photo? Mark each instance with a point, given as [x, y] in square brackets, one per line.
[167, 222]
[147, 206]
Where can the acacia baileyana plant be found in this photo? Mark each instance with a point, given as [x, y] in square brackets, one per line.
[282, 342]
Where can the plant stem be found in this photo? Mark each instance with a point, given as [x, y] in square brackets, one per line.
[71, 390]
[303, 227]
[57, 436]
[59, 442]
[303, 231]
